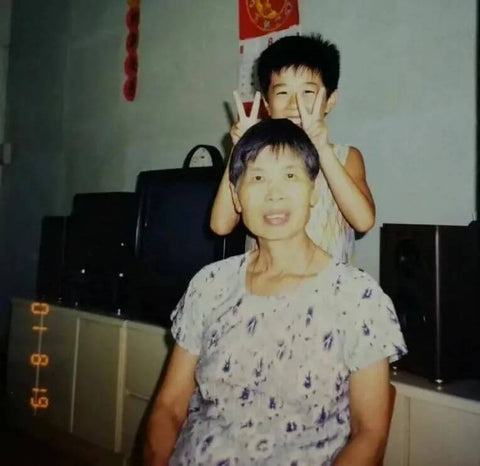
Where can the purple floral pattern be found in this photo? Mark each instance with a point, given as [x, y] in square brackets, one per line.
[273, 372]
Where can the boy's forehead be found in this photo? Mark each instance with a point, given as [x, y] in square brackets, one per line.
[300, 73]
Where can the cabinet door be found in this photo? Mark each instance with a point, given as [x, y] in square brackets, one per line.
[443, 436]
[147, 351]
[97, 382]
[59, 344]
[396, 453]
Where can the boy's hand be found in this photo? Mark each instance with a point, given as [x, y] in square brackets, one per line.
[244, 122]
[313, 123]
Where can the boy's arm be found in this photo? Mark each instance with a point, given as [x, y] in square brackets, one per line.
[224, 217]
[349, 187]
[348, 183]
[170, 407]
[370, 416]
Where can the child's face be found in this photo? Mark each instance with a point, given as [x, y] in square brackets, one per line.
[290, 84]
[275, 194]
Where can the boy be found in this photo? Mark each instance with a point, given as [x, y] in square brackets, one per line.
[298, 77]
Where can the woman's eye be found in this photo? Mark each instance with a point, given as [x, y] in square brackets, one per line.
[309, 92]
[258, 178]
[290, 176]
[282, 93]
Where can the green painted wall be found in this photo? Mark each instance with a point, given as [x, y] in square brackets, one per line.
[407, 101]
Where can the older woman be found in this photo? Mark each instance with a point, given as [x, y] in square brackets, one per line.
[281, 353]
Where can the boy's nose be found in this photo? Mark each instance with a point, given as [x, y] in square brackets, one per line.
[292, 102]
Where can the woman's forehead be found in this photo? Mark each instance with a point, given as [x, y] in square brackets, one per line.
[277, 155]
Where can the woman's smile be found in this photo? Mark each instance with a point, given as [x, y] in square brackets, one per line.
[277, 217]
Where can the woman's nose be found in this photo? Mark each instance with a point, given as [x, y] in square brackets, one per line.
[275, 192]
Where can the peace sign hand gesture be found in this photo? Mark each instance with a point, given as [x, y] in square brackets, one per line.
[313, 123]
[244, 122]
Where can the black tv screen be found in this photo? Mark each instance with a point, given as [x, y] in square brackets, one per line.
[174, 239]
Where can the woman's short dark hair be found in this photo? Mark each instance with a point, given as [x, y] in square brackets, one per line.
[312, 52]
[276, 134]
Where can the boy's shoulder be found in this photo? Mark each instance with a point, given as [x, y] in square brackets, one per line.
[341, 152]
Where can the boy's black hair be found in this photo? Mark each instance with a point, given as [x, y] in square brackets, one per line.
[312, 52]
[277, 134]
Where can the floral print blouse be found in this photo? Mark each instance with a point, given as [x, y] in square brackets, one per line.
[273, 371]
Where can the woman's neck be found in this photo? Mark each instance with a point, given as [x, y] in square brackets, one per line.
[292, 256]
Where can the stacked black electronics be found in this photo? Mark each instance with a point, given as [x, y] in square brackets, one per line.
[432, 274]
[99, 250]
[51, 259]
[133, 254]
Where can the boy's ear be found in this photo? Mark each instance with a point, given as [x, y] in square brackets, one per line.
[331, 101]
[235, 199]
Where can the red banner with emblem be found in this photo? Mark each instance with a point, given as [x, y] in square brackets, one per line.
[261, 22]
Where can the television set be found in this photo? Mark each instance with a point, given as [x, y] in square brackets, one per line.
[174, 239]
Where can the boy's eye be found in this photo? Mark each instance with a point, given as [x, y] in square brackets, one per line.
[281, 93]
[257, 178]
[290, 176]
[309, 92]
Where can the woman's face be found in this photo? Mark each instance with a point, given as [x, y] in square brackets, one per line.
[275, 194]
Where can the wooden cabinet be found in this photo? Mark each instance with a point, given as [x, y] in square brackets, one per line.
[103, 371]
[443, 436]
[147, 348]
[97, 402]
[433, 426]
[101, 374]
[57, 342]
[397, 448]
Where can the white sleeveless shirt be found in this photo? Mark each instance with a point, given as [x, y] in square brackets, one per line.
[327, 226]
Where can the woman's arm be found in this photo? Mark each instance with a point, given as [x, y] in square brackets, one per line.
[369, 416]
[170, 407]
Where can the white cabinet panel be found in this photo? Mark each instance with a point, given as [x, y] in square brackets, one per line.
[442, 436]
[147, 351]
[23, 341]
[59, 344]
[133, 413]
[146, 354]
[96, 383]
[396, 453]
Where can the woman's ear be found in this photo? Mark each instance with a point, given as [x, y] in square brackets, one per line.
[265, 103]
[314, 196]
[235, 199]
[331, 102]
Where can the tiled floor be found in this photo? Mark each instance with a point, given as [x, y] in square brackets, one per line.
[19, 449]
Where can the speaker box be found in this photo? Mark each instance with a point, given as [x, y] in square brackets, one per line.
[51, 259]
[431, 272]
